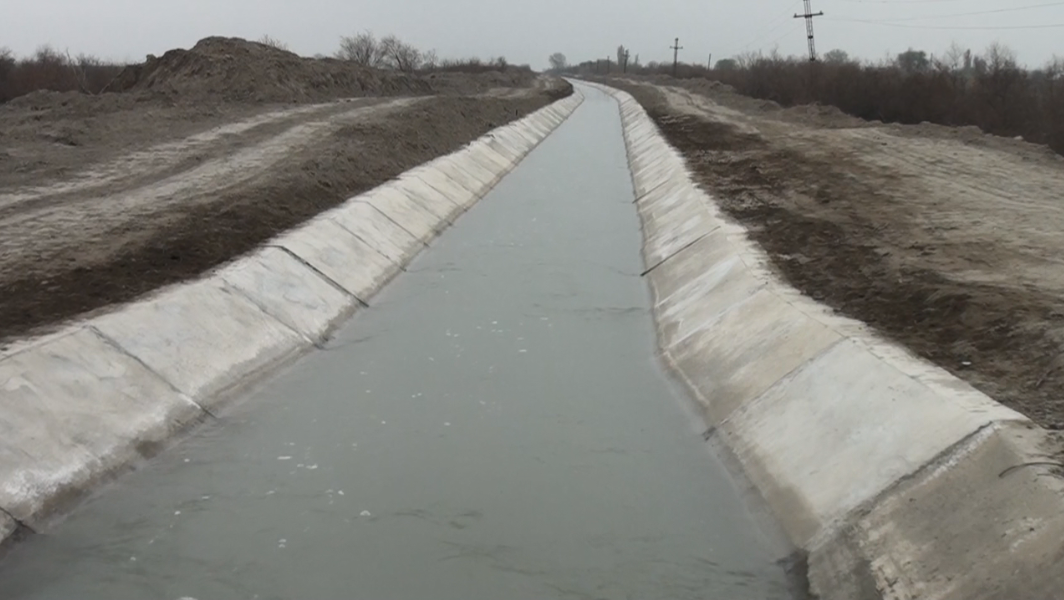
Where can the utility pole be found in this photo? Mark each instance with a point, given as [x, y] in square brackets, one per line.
[808, 16]
[676, 47]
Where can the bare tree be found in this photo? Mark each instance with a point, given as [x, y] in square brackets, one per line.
[7, 65]
[1000, 57]
[998, 76]
[558, 61]
[952, 60]
[430, 60]
[362, 49]
[407, 58]
[745, 60]
[1054, 87]
[913, 61]
[836, 56]
[77, 67]
[1054, 67]
[51, 71]
[399, 55]
[622, 55]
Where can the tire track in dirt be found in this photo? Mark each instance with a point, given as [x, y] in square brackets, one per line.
[154, 162]
[42, 230]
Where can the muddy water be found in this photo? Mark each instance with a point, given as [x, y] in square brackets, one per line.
[495, 427]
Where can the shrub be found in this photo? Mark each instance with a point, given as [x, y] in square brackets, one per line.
[272, 42]
[390, 52]
[47, 69]
[990, 91]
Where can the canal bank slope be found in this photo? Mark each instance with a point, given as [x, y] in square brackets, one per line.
[898, 480]
[83, 405]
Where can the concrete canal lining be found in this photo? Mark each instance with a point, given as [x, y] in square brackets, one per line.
[92, 401]
[898, 479]
[495, 425]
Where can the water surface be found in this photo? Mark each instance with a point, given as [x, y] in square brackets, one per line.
[495, 427]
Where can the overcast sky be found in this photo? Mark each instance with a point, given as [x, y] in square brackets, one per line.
[527, 31]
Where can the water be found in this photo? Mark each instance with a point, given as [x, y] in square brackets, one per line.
[495, 427]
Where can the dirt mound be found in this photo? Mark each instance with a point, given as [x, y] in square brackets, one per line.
[238, 70]
[43, 99]
[821, 115]
[471, 83]
[695, 84]
[34, 106]
[707, 85]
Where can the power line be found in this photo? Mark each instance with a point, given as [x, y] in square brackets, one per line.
[979, 12]
[900, 1]
[988, 28]
[785, 34]
[775, 25]
[771, 28]
[788, 31]
[783, 23]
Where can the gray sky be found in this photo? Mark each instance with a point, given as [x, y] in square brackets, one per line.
[527, 31]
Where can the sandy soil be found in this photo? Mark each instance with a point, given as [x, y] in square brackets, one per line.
[151, 194]
[946, 240]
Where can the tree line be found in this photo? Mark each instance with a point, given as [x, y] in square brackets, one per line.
[390, 52]
[50, 69]
[958, 87]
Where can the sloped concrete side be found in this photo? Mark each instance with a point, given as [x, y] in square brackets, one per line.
[899, 480]
[77, 409]
[80, 406]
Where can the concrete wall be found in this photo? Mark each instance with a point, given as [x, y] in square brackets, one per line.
[85, 404]
[899, 480]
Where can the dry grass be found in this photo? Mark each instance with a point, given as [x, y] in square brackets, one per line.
[272, 42]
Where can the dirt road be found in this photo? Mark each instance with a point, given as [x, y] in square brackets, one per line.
[84, 226]
[946, 240]
[78, 217]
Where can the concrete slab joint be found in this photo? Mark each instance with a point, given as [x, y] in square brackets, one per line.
[893, 475]
[83, 405]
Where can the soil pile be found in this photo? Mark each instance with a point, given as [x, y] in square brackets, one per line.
[238, 70]
[454, 82]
